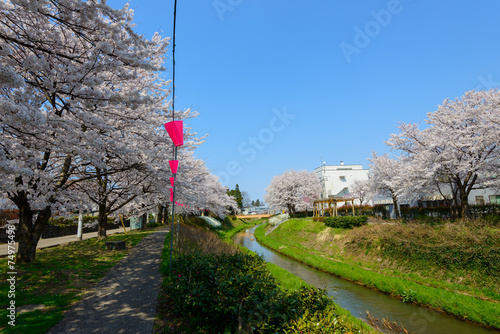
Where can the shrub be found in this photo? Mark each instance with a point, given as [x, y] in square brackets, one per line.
[346, 222]
[327, 321]
[303, 214]
[476, 211]
[424, 213]
[223, 291]
[381, 210]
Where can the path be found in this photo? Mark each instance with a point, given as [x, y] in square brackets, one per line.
[51, 242]
[124, 301]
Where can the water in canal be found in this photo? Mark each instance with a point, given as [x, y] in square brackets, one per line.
[358, 299]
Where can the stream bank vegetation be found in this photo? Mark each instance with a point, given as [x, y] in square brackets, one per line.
[213, 287]
[451, 267]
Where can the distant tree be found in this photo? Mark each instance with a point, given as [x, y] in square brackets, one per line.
[253, 203]
[236, 194]
[245, 199]
[258, 203]
[293, 190]
[384, 179]
[360, 189]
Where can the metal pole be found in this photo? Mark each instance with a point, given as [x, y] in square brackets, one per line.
[175, 147]
[173, 212]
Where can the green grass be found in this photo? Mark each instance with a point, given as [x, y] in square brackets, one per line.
[462, 306]
[58, 278]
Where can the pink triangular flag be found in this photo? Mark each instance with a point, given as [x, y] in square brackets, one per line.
[174, 130]
[173, 166]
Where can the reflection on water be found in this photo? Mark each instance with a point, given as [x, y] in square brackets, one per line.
[358, 299]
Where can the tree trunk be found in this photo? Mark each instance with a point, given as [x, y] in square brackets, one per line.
[101, 222]
[396, 207]
[464, 202]
[159, 215]
[144, 220]
[166, 214]
[30, 230]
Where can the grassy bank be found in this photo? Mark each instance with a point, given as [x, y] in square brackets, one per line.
[223, 289]
[331, 250]
[58, 278]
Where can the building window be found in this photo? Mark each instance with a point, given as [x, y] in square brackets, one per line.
[479, 200]
[495, 199]
[342, 179]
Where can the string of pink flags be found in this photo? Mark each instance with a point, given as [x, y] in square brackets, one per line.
[175, 131]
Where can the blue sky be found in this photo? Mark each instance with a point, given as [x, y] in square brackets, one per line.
[285, 85]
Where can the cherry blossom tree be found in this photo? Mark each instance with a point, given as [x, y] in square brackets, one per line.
[200, 189]
[360, 189]
[460, 146]
[384, 178]
[64, 69]
[293, 190]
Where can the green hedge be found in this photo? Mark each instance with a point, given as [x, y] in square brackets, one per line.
[422, 213]
[303, 214]
[221, 292]
[346, 221]
[476, 211]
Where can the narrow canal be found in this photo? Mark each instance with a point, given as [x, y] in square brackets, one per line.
[358, 299]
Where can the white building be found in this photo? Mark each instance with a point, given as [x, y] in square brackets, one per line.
[336, 180]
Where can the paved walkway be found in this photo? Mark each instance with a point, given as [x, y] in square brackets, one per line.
[124, 301]
[51, 242]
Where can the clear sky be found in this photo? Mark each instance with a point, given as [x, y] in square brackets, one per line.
[285, 85]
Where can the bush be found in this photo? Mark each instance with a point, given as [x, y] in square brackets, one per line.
[304, 214]
[152, 225]
[476, 211]
[223, 291]
[346, 222]
[424, 213]
[381, 210]
[327, 321]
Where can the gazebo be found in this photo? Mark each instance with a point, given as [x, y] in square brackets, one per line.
[330, 205]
